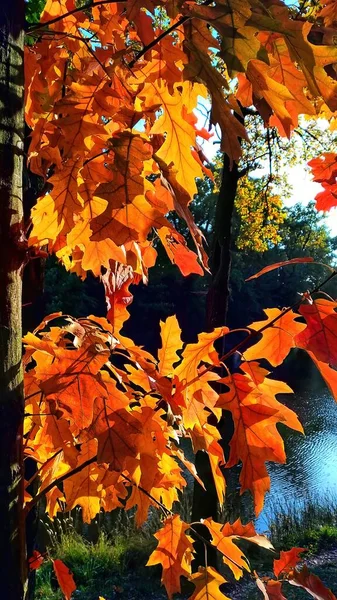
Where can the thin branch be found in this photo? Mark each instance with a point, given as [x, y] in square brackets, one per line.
[255, 332]
[90, 4]
[160, 37]
[88, 160]
[165, 510]
[87, 463]
[49, 487]
[84, 41]
[38, 471]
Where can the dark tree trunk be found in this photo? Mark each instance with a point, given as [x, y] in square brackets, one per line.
[205, 503]
[220, 260]
[13, 576]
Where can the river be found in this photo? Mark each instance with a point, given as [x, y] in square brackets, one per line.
[311, 467]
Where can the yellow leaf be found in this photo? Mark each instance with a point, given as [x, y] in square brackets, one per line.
[207, 585]
[171, 343]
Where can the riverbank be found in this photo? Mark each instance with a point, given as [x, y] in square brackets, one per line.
[116, 570]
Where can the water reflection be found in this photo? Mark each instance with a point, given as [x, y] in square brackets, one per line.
[311, 468]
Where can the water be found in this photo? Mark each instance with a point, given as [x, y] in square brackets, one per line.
[311, 468]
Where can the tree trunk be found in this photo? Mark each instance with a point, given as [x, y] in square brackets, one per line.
[220, 263]
[12, 537]
[205, 503]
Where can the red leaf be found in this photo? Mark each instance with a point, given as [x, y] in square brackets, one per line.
[292, 261]
[312, 584]
[288, 560]
[35, 561]
[64, 578]
[271, 590]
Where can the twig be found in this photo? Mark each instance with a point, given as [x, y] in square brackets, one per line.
[90, 4]
[160, 37]
[255, 332]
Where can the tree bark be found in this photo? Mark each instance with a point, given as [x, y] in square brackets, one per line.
[205, 503]
[13, 575]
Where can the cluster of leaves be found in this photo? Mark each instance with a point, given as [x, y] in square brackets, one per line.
[261, 215]
[324, 171]
[110, 98]
[104, 419]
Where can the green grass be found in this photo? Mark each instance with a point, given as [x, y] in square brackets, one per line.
[314, 526]
[102, 568]
[109, 559]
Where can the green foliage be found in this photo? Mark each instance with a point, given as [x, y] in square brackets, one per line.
[34, 9]
[314, 526]
[111, 567]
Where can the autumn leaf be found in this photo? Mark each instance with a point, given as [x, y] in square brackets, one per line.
[320, 335]
[174, 552]
[54, 212]
[117, 294]
[180, 135]
[272, 590]
[35, 561]
[277, 338]
[130, 211]
[311, 583]
[251, 399]
[64, 578]
[287, 561]
[171, 344]
[207, 583]
[329, 12]
[324, 171]
[178, 251]
[303, 259]
[202, 351]
[224, 538]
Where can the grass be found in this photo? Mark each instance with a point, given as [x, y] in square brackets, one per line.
[312, 526]
[108, 558]
[100, 568]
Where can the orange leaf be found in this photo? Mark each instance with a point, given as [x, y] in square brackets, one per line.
[64, 578]
[224, 537]
[178, 251]
[292, 261]
[320, 335]
[174, 552]
[272, 590]
[255, 411]
[171, 343]
[287, 561]
[277, 339]
[207, 583]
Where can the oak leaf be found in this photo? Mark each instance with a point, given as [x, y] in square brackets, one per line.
[170, 344]
[224, 537]
[287, 561]
[180, 135]
[311, 583]
[64, 578]
[174, 552]
[277, 338]
[255, 411]
[320, 335]
[207, 583]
